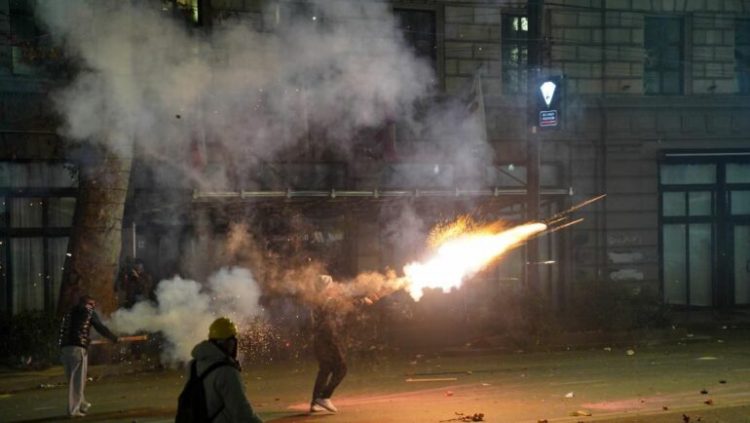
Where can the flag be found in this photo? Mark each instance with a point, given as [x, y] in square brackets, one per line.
[475, 108]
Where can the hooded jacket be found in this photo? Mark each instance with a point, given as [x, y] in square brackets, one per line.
[224, 388]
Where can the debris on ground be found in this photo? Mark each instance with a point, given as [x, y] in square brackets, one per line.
[665, 408]
[433, 379]
[581, 413]
[709, 402]
[569, 395]
[476, 417]
[608, 349]
[46, 385]
[448, 393]
[704, 392]
[722, 381]
[630, 352]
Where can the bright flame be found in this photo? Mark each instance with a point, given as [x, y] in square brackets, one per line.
[463, 256]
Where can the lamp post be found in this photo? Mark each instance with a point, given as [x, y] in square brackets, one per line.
[534, 15]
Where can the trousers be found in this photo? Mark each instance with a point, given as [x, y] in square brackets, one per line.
[75, 362]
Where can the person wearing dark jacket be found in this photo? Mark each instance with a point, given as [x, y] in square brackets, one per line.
[226, 400]
[330, 357]
[74, 342]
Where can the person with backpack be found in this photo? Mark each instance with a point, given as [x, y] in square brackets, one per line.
[214, 391]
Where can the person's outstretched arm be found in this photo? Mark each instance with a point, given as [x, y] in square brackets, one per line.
[103, 330]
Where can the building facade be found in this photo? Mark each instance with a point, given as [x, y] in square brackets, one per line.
[654, 114]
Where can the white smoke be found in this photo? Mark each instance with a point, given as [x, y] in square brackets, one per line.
[185, 309]
[147, 80]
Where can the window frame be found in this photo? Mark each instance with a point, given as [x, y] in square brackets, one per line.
[660, 69]
[45, 232]
[439, 11]
[521, 69]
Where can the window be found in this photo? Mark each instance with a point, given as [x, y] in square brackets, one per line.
[515, 53]
[742, 54]
[663, 64]
[37, 203]
[418, 28]
[705, 231]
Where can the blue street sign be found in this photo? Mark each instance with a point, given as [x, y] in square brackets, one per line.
[548, 118]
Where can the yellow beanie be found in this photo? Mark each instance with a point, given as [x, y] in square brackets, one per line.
[222, 328]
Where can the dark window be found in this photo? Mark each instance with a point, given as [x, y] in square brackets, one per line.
[418, 28]
[37, 202]
[663, 65]
[515, 53]
[742, 54]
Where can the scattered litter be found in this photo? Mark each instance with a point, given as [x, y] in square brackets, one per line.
[720, 341]
[722, 381]
[709, 402]
[569, 395]
[581, 413]
[630, 352]
[608, 349]
[704, 392]
[476, 417]
[448, 393]
[434, 379]
[91, 379]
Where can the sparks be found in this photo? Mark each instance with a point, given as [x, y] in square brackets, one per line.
[461, 256]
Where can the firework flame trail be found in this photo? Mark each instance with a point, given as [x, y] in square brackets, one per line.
[463, 256]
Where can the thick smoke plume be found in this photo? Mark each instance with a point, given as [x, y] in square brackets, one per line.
[186, 309]
[254, 87]
[147, 80]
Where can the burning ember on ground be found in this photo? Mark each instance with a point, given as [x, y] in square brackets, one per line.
[459, 256]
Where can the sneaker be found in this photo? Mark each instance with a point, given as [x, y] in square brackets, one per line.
[85, 406]
[327, 404]
[77, 414]
[315, 408]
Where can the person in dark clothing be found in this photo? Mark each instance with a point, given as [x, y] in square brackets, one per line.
[74, 342]
[327, 345]
[330, 357]
[136, 283]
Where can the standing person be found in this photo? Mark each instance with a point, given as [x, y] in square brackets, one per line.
[74, 342]
[215, 365]
[326, 343]
[330, 357]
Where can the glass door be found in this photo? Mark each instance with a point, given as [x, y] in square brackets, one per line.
[741, 267]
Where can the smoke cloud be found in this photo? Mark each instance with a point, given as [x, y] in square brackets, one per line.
[149, 81]
[186, 309]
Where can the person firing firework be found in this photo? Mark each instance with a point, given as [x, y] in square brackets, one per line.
[326, 343]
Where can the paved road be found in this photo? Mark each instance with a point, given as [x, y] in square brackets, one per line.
[654, 384]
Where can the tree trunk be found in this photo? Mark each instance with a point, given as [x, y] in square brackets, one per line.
[96, 239]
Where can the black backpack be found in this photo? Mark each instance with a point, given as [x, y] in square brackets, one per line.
[191, 405]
